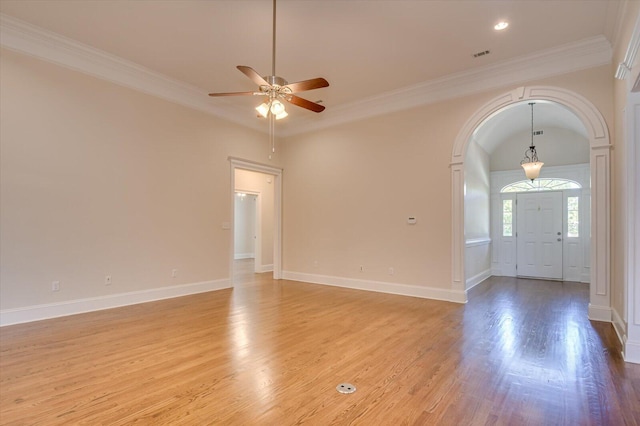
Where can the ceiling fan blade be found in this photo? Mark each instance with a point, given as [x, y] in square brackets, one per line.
[232, 94]
[314, 83]
[301, 102]
[253, 75]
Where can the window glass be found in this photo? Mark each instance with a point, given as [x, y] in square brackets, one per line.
[507, 218]
[573, 217]
[541, 185]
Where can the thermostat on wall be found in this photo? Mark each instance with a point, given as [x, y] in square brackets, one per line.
[411, 221]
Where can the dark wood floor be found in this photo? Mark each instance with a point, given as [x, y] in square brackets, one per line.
[272, 353]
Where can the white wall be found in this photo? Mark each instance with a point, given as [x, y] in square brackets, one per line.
[476, 215]
[244, 220]
[97, 180]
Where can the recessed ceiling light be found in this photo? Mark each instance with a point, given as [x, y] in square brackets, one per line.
[501, 25]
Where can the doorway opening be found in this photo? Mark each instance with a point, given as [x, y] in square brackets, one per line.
[247, 238]
[256, 227]
[599, 147]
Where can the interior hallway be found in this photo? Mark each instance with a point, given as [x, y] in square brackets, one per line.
[273, 352]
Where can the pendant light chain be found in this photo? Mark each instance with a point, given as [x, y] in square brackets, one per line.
[531, 122]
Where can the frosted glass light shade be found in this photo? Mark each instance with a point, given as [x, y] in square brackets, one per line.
[532, 169]
[263, 109]
[277, 108]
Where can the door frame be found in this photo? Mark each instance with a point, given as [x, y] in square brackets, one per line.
[600, 146]
[239, 163]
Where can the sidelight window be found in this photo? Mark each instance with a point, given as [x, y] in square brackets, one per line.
[507, 218]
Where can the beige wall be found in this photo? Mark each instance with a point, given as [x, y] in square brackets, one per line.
[97, 180]
[348, 190]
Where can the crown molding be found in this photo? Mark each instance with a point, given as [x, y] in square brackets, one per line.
[34, 41]
[584, 54]
[624, 67]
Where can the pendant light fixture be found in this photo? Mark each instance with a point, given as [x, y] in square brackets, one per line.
[530, 163]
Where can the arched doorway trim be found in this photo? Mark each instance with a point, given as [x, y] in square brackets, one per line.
[597, 130]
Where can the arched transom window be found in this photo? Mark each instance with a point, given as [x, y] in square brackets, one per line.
[541, 185]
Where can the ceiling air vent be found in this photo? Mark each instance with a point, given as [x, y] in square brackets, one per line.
[483, 53]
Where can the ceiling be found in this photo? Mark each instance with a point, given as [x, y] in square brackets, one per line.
[365, 49]
[513, 120]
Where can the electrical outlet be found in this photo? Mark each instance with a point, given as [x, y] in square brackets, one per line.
[174, 273]
[55, 286]
[361, 268]
[392, 271]
[107, 280]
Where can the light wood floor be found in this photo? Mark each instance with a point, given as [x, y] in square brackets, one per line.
[272, 353]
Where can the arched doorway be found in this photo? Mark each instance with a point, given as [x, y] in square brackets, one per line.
[598, 134]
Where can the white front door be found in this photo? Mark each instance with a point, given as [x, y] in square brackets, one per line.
[539, 235]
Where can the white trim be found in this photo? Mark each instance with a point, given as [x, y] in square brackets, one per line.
[632, 259]
[477, 242]
[585, 277]
[619, 327]
[79, 306]
[598, 133]
[599, 313]
[34, 41]
[378, 286]
[239, 256]
[477, 279]
[571, 57]
[239, 163]
[625, 66]
[264, 268]
[29, 39]
[632, 352]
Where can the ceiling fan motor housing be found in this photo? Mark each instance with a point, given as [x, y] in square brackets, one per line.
[274, 80]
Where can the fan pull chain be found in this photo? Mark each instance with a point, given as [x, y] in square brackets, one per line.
[272, 136]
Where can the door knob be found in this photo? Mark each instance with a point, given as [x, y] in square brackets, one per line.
[559, 233]
[559, 239]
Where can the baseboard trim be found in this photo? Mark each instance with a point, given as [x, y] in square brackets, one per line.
[379, 287]
[632, 352]
[239, 256]
[618, 326]
[79, 306]
[599, 313]
[265, 268]
[477, 279]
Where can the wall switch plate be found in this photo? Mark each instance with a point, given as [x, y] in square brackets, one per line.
[107, 280]
[174, 273]
[55, 286]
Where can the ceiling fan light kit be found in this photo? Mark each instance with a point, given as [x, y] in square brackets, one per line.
[278, 90]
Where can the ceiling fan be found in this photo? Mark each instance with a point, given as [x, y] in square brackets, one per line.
[276, 89]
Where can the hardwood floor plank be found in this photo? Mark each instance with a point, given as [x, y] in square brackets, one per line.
[273, 352]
